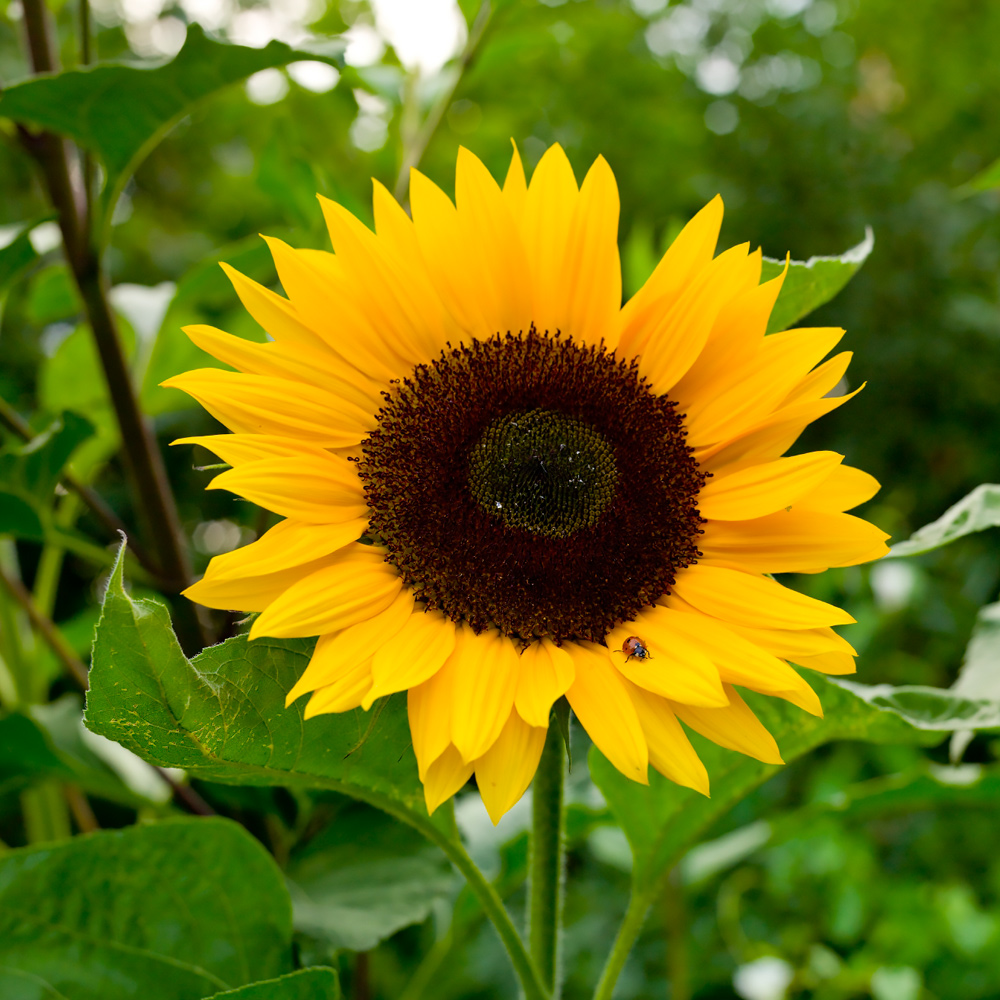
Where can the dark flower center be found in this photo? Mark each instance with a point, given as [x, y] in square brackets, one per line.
[533, 484]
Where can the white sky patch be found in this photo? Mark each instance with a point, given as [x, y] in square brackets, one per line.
[267, 87]
[425, 35]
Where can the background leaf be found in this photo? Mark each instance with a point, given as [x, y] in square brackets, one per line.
[16, 257]
[120, 112]
[306, 984]
[664, 820]
[980, 675]
[172, 910]
[976, 512]
[811, 283]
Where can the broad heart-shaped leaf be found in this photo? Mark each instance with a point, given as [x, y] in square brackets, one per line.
[306, 984]
[662, 821]
[976, 512]
[176, 910]
[364, 878]
[811, 283]
[120, 112]
[222, 715]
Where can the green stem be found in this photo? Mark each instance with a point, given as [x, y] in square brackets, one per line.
[545, 860]
[635, 917]
[46, 815]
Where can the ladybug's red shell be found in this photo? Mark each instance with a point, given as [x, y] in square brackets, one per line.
[634, 646]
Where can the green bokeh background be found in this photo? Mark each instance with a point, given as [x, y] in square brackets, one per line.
[813, 120]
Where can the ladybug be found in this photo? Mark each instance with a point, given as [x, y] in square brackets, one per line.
[634, 646]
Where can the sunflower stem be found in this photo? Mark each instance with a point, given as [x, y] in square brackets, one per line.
[546, 861]
[635, 916]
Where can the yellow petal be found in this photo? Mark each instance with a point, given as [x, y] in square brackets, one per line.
[758, 389]
[329, 304]
[670, 751]
[765, 488]
[545, 674]
[549, 208]
[343, 694]
[249, 593]
[394, 226]
[483, 686]
[794, 541]
[490, 233]
[676, 668]
[601, 702]
[791, 644]
[821, 380]
[276, 315]
[287, 545]
[320, 489]
[446, 776]
[847, 487]
[356, 584]
[670, 347]
[429, 707]
[734, 727]
[237, 449]
[592, 279]
[515, 187]
[415, 653]
[690, 252]
[504, 772]
[316, 365]
[834, 662]
[263, 404]
[753, 600]
[339, 653]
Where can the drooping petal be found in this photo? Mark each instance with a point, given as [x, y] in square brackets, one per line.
[444, 777]
[734, 726]
[833, 662]
[731, 595]
[355, 585]
[845, 489]
[338, 653]
[249, 593]
[343, 693]
[429, 707]
[670, 751]
[238, 449]
[600, 700]
[504, 772]
[545, 674]
[415, 653]
[483, 687]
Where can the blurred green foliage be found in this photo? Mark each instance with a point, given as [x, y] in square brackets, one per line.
[858, 870]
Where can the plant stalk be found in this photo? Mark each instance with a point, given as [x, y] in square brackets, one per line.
[635, 916]
[546, 857]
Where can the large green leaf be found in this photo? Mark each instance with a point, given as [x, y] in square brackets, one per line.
[175, 910]
[663, 820]
[811, 283]
[364, 878]
[307, 984]
[120, 112]
[222, 716]
[980, 675]
[976, 512]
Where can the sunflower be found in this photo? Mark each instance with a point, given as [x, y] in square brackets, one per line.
[501, 487]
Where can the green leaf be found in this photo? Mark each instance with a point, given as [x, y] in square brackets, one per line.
[980, 675]
[306, 984]
[175, 910]
[663, 820]
[976, 512]
[16, 256]
[364, 878]
[26, 754]
[121, 112]
[986, 180]
[43, 457]
[18, 518]
[222, 715]
[812, 283]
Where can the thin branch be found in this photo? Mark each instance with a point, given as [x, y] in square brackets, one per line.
[11, 419]
[185, 794]
[142, 455]
[47, 630]
[86, 821]
[414, 149]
